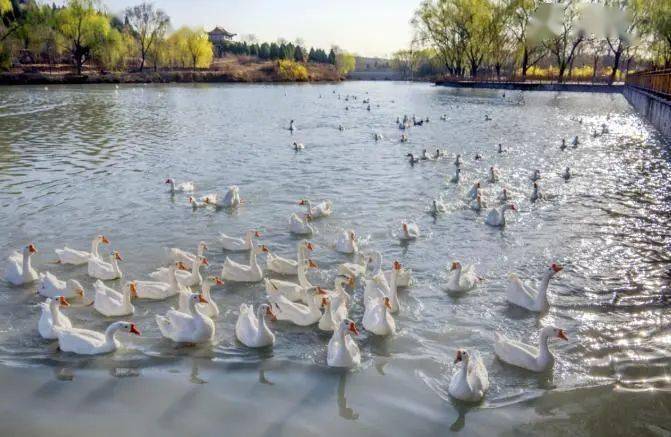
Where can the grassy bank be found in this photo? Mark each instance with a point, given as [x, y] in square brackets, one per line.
[228, 69]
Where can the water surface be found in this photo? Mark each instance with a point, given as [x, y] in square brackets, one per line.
[80, 161]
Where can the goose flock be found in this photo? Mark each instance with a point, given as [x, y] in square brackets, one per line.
[294, 299]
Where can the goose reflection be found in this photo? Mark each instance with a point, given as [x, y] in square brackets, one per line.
[263, 379]
[194, 378]
[343, 410]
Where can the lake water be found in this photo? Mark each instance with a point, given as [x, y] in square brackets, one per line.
[80, 161]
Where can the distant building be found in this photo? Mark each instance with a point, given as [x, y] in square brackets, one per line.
[219, 37]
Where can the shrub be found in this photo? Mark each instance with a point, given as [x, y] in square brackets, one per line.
[292, 71]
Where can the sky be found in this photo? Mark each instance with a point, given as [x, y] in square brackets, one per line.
[365, 27]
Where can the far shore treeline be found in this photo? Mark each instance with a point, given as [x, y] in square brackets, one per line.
[520, 39]
[83, 37]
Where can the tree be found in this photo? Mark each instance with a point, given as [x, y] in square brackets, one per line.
[332, 57]
[529, 45]
[344, 62]
[299, 54]
[83, 28]
[562, 22]
[148, 25]
[274, 51]
[264, 51]
[656, 23]
[191, 47]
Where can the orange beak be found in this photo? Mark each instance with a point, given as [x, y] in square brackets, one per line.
[201, 299]
[32, 248]
[301, 202]
[405, 227]
[134, 330]
[454, 266]
[557, 268]
[353, 329]
[264, 248]
[562, 335]
[133, 289]
[258, 234]
[513, 207]
[205, 262]
[117, 255]
[218, 281]
[397, 265]
[387, 303]
[270, 313]
[63, 301]
[310, 246]
[458, 358]
[105, 240]
[312, 264]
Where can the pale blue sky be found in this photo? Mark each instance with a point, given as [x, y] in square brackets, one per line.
[367, 27]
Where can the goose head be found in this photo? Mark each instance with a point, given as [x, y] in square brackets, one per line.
[350, 326]
[260, 249]
[509, 206]
[61, 301]
[308, 245]
[266, 310]
[128, 327]
[455, 266]
[74, 285]
[103, 239]
[462, 356]
[30, 249]
[117, 256]
[311, 264]
[170, 181]
[132, 286]
[504, 194]
[552, 332]
[387, 303]
[554, 269]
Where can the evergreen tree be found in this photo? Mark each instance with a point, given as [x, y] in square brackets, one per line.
[299, 54]
[274, 51]
[311, 55]
[264, 51]
[332, 57]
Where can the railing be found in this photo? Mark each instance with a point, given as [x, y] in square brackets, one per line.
[654, 81]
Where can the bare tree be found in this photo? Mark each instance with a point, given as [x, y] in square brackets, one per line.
[566, 33]
[148, 25]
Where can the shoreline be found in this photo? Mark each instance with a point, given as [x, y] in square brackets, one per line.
[534, 86]
[41, 78]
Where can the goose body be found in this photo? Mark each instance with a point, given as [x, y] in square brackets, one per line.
[410, 231]
[231, 198]
[493, 175]
[461, 279]
[291, 290]
[209, 309]
[438, 207]
[51, 319]
[296, 313]
[285, 266]
[470, 382]
[234, 244]
[236, 272]
[182, 187]
[80, 257]
[535, 359]
[193, 327]
[300, 226]
[52, 287]
[19, 269]
[356, 268]
[526, 296]
[478, 204]
[99, 269]
[186, 278]
[377, 317]
[298, 146]
[157, 290]
[342, 350]
[87, 342]
[252, 329]
[346, 242]
[187, 258]
[474, 191]
[111, 303]
[322, 209]
[496, 216]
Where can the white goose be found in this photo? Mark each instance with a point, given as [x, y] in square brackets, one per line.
[300, 226]
[438, 207]
[284, 266]
[111, 303]
[346, 242]
[471, 381]
[236, 272]
[336, 304]
[87, 342]
[187, 258]
[322, 209]
[503, 197]
[234, 244]
[185, 278]
[296, 313]
[342, 350]
[182, 187]
[191, 328]
[51, 319]
[291, 290]
[379, 287]
[100, 269]
[377, 317]
[478, 204]
[461, 279]
[521, 294]
[298, 146]
[410, 231]
[493, 175]
[356, 268]
[195, 204]
[232, 198]
[80, 257]
[19, 269]
[156, 290]
[474, 191]
[526, 356]
[496, 216]
[252, 330]
[210, 309]
[51, 286]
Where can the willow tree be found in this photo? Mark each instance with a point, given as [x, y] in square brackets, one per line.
[657, 19]
[84, 29]
[434, 22]
[564, 30]
[191, 47]
[529, 45]
[148, 26]
[345, 62]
